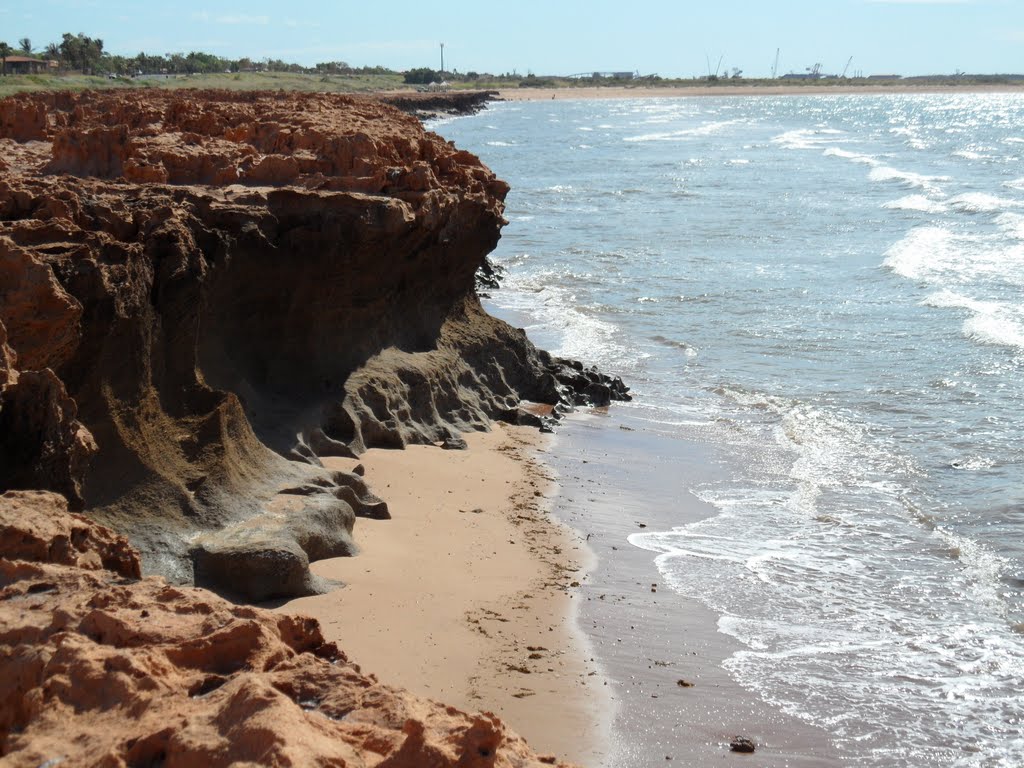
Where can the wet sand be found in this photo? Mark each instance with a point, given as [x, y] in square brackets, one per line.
[465, 594]
[615, 477]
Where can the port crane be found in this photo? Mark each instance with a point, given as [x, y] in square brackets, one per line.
[846, 67]
[717, 67]
[775, 66]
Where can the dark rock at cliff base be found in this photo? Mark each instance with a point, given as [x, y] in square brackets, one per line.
[489, 276]
[586, 386]
[256, 568]
[268, 556]
[429, 105]
[454, 443]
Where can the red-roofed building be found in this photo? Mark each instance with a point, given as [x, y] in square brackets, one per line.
[26, 65]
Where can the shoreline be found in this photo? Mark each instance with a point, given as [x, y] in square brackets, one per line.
[465, 595]
[619, 478]
[626, 92]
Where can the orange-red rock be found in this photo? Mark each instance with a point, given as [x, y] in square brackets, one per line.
[99, 668]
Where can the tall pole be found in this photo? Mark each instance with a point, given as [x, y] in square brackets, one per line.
[442, 58]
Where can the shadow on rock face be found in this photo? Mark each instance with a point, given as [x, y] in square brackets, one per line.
[204, 293]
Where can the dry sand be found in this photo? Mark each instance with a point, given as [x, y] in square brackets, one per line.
[610, 92]
[465, 594]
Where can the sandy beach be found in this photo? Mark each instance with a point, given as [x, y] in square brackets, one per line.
[626, 92]
[466, 594]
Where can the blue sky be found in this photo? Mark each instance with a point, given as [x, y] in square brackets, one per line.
[556, 37]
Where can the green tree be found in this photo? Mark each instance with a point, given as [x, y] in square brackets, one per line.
[81, 52]
[422, 76]
[26, 46]
[5, 51]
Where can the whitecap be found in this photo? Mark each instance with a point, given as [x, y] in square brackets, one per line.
[908, 178]
[916, 203]
[980, 202]
[995, 328]
[920, 252]
[990, 322]
[684, 134]
[969, 154]
[854, 157]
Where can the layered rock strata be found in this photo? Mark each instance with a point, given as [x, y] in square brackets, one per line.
[202, 293]
[101, 668]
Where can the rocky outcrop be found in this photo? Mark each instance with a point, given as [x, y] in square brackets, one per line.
[204, 292]
[429, 105]
[100, 668]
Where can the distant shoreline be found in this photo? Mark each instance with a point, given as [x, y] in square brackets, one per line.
[647, 92]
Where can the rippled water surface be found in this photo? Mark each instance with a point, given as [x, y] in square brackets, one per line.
[829, 291]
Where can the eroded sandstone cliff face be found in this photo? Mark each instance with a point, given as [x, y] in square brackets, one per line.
[201, 293]
[100, 668]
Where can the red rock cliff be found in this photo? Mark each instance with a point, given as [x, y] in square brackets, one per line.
[203, 292]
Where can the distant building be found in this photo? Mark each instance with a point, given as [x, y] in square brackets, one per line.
[26, 65]
[885, 77]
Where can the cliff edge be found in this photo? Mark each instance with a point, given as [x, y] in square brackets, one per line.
[201, 293]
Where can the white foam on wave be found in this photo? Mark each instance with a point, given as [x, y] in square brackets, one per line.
[970, 154]
[1017, 184]
[807, 138]
[548, 298]
[920, 203]
[990, 322]
[854, 157]
[941, 256]
[995, 329]
[684, 134]
[833, 633]
[885, 173]
[920, 252]
[499, 143]
[981, 202]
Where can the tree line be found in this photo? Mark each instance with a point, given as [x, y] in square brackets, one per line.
[81, 53]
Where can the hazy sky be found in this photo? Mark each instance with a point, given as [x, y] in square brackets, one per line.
[670, 38]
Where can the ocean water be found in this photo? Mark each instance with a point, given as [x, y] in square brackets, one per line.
[827, 291]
